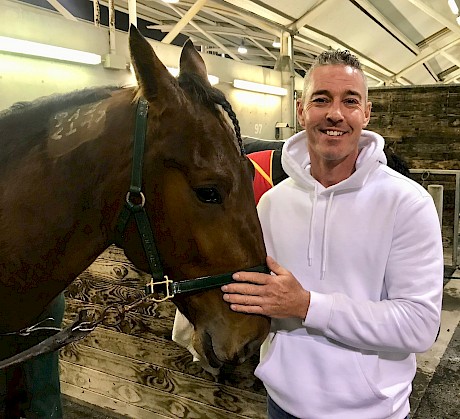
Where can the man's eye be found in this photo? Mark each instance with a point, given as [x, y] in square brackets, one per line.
[208, 195]
[319, 100]
[352, 101]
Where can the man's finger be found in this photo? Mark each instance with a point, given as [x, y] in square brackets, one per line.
[243, 288]
[275, 267]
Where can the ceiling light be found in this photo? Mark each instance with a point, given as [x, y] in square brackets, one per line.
[212, 79]
[458, 20]
[242, 48]
[453, 6]
[276, 43]
[258, 87]
[19, 46]
[170, 1]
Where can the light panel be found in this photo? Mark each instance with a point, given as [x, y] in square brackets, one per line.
[20, 46]
[258, 87]
[453, 6]
[212, 79]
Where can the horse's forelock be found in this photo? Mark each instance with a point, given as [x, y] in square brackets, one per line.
[210, 96]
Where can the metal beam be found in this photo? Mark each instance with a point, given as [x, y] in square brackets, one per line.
[426, 56]
[307, 17]
[207, 35]
[389, 26]
[62, 10]
[435, 15]
[186, 18]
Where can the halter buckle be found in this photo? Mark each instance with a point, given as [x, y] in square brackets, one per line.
[149, 289]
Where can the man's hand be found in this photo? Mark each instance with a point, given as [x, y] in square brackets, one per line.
[278, 296]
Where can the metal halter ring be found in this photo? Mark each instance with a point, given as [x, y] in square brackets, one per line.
[131, 204]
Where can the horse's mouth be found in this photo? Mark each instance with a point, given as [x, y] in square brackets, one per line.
[211, 356]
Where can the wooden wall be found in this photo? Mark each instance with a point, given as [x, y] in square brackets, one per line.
[135, 369]
[422, 124]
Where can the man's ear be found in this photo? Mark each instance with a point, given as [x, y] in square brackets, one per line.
[300, 113]
[367, 114]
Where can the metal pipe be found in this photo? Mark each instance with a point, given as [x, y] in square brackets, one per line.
[132, 11]
[456, 205]
[437, 193]
[97, 13]
[112, 26]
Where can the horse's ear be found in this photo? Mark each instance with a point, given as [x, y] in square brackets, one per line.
[152, 76]
[191, 61]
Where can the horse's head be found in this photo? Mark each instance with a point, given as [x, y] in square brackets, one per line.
[199, 198]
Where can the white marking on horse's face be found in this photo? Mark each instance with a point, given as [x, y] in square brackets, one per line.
[66, 132]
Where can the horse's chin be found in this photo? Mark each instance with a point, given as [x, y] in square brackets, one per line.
[207, 367]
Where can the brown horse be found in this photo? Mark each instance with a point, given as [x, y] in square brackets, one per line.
[66, 165]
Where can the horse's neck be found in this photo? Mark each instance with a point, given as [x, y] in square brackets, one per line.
[59, 205]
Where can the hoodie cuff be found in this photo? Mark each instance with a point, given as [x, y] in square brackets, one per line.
[319, 311]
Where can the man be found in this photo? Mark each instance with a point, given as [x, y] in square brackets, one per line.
[357, 284]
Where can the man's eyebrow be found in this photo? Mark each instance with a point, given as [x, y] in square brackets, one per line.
[327, 93]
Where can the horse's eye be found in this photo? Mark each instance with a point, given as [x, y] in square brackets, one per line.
[208, 195]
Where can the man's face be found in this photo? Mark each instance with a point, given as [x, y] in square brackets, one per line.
[334, 112]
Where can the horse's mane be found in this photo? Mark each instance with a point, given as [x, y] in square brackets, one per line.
[77, 98]
[24, 124]
[209, 96]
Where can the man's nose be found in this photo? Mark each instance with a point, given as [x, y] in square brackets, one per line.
[335, 112]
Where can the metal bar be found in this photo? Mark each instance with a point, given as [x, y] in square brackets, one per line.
[112, 26]
[457, 210]
[456, 205]
[186, 18]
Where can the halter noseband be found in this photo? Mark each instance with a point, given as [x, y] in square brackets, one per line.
[136, 208]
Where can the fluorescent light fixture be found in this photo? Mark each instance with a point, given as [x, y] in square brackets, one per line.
[212, 79]
[19, 46]
[453, 6]
[458, 20]
[170, 1]
[258, 87]
[276, 43]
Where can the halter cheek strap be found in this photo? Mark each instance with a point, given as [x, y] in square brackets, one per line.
[134, 205]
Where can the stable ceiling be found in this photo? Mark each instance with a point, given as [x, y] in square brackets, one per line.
[400, 42]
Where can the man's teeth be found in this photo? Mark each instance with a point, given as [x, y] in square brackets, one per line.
[334, 133]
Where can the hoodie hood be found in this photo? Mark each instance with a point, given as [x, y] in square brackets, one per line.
[295, 160]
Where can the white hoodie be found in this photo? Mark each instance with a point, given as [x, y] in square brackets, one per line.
[369, 250]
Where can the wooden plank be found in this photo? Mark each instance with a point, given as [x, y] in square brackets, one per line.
[166, 380]
[141, 325]
[140, 355]
[104, 292]
[143, 396]
[109, 403]
[168, 355]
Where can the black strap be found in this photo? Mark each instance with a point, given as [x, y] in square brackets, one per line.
[135, 199]
[134, 205]
[212, 281]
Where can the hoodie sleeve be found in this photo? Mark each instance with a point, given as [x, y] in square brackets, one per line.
[408, 316]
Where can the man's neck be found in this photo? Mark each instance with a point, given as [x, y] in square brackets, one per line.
[330, 173]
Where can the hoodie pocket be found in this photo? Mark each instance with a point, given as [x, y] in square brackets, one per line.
[310, 375]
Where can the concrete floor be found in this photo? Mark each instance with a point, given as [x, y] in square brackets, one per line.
[436, 388]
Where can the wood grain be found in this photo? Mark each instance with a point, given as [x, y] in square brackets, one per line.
[135, 369]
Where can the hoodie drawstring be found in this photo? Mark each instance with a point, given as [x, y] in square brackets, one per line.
[312, 223]
[325, 236]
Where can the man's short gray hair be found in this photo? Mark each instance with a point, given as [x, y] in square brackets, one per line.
[334, 57]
